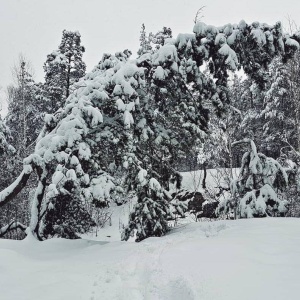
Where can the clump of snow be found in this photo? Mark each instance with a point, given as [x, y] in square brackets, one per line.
[183, 39]
[200, 29]
[166, 53]
[159, 73]
[101, 187]
[257, 34]
[142, 174]
[220, 39]
[154, 184]
[231, 58]
[242, 25]
[291, 42]
[231, 39]
[128, 118]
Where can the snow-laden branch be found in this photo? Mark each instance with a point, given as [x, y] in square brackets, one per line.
[13, 225]
[11, 191]
[32, 162]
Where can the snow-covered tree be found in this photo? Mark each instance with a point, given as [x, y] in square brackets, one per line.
[152, 210]
[153, 41]
[63, 68]
[256, 193]
[5, 147]
[279, 113]
[7, 151]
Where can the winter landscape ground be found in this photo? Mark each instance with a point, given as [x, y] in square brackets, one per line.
[243, 259]
[240, 259]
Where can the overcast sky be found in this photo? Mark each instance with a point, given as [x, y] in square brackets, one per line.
[34, 27]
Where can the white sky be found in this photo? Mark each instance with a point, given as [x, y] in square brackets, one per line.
[34, 27]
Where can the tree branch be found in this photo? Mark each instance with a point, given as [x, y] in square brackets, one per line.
[15, 188]
[13, 225]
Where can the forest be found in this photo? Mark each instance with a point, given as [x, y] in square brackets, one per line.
[224, 98]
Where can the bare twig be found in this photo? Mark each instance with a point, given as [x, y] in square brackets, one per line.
[198, 17]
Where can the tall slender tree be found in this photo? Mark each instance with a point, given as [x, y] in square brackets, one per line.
[63, 68]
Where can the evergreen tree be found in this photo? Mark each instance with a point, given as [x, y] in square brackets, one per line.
[63, 68]
[279, 113]
[145, 46]
[256, 192]
[152, 210]
[5, 136]
[293, 95]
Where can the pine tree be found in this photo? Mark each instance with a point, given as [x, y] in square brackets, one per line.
[63, 68]
[292, 71]
[151, 212]
[145, 46]
[5, 136]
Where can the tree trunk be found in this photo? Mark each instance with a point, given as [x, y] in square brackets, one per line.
[204, 176]
[36, 211]
[68, 79]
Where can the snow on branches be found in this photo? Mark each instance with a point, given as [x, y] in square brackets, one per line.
[256, 193]
[142, 115]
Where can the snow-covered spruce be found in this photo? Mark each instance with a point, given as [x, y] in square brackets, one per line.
[151, 213]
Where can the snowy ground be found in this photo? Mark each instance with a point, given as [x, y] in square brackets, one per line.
[215, 177]
[244, 259]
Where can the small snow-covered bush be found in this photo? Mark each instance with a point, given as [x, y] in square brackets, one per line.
[256, 193]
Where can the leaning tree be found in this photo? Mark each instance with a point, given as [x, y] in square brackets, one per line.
[138, 117]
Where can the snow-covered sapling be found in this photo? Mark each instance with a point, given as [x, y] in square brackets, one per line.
[256, 193]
